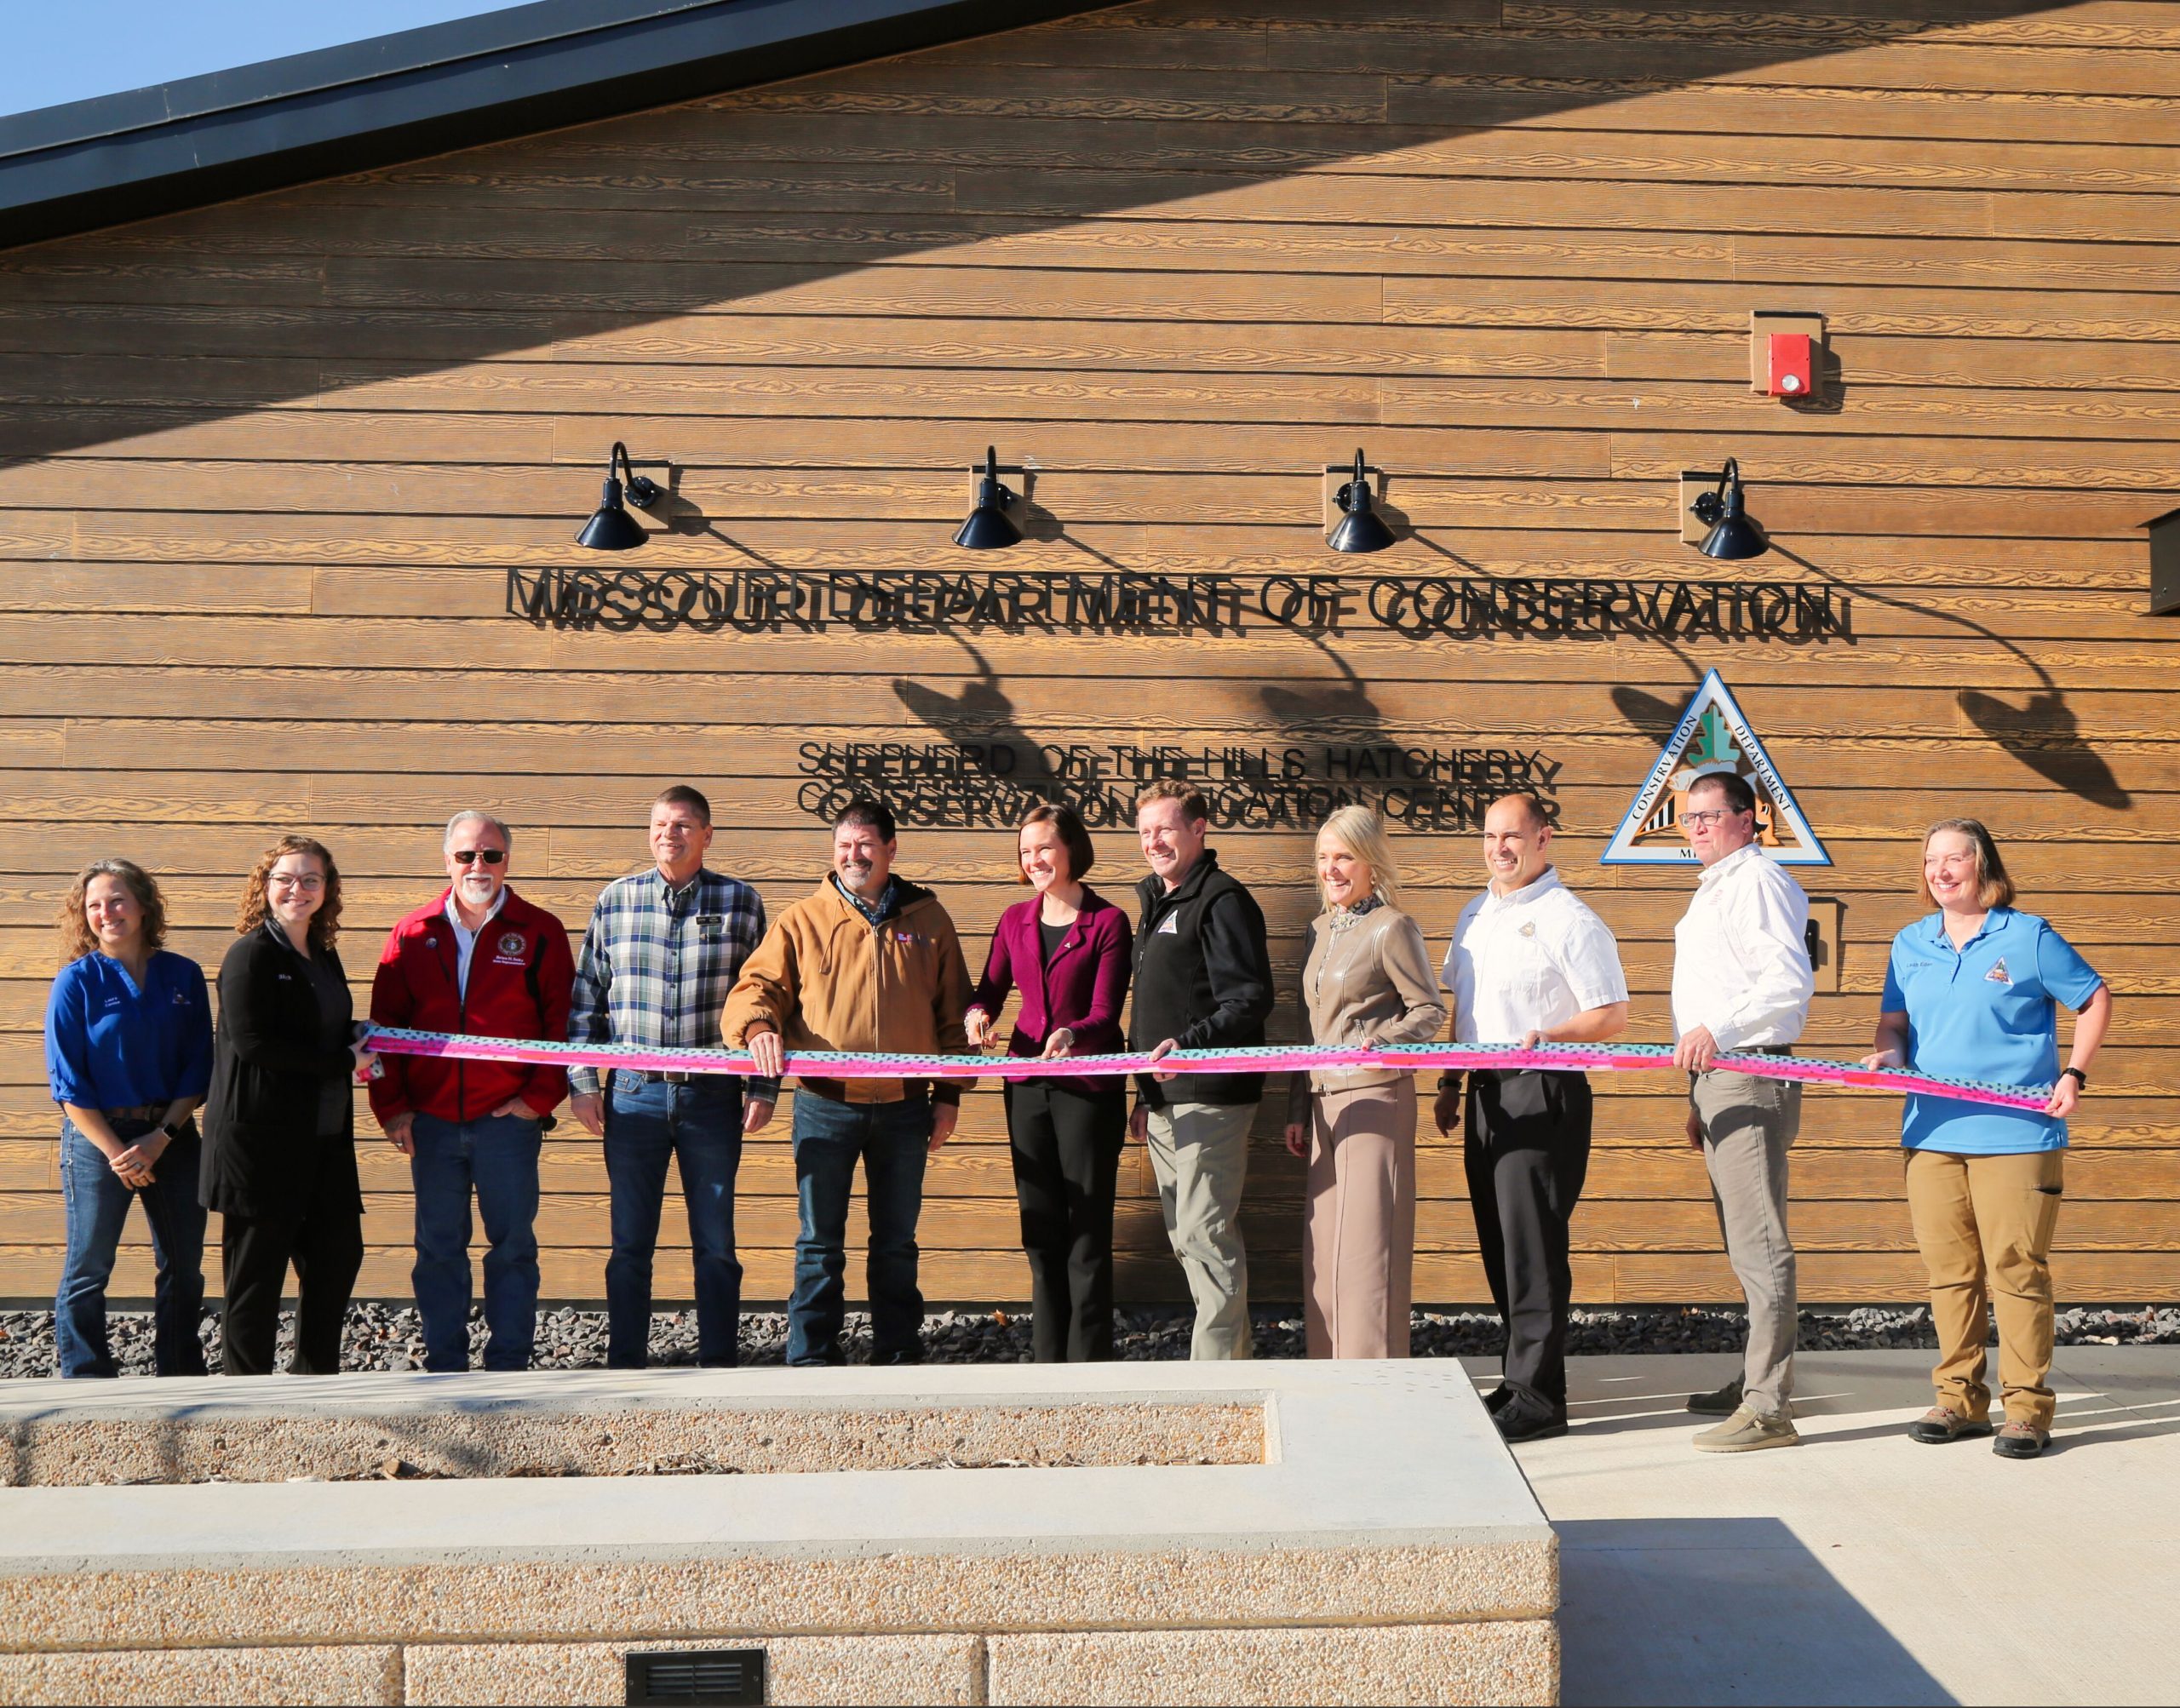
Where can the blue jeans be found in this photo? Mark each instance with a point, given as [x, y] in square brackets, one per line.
[699, 1125]
[893, 1140]
[497, 1155]
[97, 1206]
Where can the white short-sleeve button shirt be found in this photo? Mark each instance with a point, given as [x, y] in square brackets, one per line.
[1527, 962]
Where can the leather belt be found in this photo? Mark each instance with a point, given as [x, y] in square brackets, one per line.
[1770, 1049]
[147, 1112]
[638, 1076]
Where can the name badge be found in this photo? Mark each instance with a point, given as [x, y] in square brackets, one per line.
[710, 926]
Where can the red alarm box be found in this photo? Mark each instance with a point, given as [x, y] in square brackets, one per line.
[1792, 365]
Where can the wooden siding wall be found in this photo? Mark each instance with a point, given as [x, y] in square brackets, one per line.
[266, 465]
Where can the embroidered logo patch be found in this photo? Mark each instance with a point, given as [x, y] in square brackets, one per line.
[511, 943]
[1170, 927]
[1529, 928]
[1998, 974]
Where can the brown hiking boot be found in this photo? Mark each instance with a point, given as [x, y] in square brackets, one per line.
[1942, 1423]
[2021, 1441]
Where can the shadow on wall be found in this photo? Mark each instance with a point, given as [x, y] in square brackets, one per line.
[2045, 735]
[1718, 1610]
[1187, 135]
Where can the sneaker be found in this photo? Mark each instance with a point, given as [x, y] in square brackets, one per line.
[1721, 1404]
[2021, 1441]
[1745, 1431]
[1942, 1423]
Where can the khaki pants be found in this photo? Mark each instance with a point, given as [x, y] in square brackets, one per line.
[1358, 1231]
[1748, 1123]
[1984, 1226]
[1200, 1153]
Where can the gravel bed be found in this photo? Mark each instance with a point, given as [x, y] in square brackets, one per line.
[382, 1337]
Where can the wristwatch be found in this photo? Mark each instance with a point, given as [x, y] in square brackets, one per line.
[2076, 1074]
[174, 1130]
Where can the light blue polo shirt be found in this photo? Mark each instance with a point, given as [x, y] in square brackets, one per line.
[1988, 1013]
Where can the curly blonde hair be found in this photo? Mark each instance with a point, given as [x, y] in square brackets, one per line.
[325, 922]
[76, 938]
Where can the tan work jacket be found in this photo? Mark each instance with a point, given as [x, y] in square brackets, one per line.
[826, 978]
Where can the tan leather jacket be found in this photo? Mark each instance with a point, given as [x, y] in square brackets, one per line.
[1368, 983]
[825, 979]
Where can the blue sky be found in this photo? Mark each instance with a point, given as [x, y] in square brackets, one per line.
[64, 50]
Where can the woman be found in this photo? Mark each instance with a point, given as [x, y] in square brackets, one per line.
[1972, 994]
[280, 1134]
[1366, 979]
[129, 1056]
[1067, 947]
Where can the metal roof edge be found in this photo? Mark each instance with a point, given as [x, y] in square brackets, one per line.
[435, 90]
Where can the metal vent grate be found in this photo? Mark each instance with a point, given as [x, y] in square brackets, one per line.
[697, 1678]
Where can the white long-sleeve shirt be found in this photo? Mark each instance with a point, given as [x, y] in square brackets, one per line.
[1740, 960]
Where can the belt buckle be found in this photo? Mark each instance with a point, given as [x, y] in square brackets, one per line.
[677, 1078]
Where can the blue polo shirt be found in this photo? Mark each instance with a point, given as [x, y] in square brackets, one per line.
[1988, 1013]
[110, 1046]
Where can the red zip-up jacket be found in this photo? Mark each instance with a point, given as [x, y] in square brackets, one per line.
[520, 974]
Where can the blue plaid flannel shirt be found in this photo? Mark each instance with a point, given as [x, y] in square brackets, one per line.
[657, 964]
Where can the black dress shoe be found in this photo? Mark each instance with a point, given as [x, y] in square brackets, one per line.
[1498, 1399]
[1519, 1424]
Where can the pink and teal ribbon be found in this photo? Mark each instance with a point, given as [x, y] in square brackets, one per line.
[1569, 1058]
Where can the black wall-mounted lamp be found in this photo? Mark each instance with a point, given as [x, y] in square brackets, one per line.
[1360, 528]
[1733, 532]
[611, 527]
[989, 527]
[2164, 562]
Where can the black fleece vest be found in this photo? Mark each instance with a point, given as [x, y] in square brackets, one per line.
[1172, 986]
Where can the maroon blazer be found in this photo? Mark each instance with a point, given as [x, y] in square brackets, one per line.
[1082, 988]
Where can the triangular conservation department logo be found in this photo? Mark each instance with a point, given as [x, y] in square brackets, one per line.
[1713, 735]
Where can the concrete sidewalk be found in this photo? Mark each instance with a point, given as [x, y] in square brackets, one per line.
[1860, 1567]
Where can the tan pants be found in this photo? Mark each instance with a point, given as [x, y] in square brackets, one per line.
[1200, 1154]
[1358, 1233]
[1984, 1224]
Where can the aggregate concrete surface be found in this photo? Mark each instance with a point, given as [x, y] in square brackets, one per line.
[1860, 1567]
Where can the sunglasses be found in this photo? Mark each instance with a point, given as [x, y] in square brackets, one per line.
[491, 856]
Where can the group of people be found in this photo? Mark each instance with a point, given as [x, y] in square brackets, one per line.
[678, 956]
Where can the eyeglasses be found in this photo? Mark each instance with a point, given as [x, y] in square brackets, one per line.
[295, 880]
[1697, 821]
[491, 856]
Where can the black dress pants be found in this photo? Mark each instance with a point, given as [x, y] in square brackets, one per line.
[1066, 1143]
[323, 1237]
[1527, 1153]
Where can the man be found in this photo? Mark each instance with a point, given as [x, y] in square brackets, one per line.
[867, 962]
[1741, 982]
[479, 959]
[1202, 978]
[1528, 965]
[663, 948]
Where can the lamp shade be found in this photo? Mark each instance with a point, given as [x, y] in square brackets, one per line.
[1360, 528]
[611, 527]
[989, 527]
[1735, 534]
